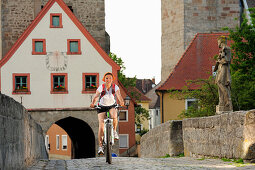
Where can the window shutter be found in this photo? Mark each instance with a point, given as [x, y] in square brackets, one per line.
[123, 141]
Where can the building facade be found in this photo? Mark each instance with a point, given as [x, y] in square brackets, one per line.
[182, 19]
[54, 69]
[17, 15]
[196, 63]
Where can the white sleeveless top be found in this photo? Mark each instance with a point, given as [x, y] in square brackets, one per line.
[108, 99]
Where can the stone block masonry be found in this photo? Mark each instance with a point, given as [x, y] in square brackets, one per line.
[229, 135]
[21, 139]
[163, 139]
[18, 14]
[182, 19]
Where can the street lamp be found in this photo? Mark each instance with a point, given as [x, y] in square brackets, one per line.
[127, 101]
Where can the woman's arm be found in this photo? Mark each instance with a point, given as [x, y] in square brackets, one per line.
[94, 100]
[120, 97]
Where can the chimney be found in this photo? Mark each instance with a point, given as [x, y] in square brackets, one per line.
[153, 80]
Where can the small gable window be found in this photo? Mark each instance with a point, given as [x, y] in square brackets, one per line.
[21, 83]
[90, 82]
[59, 83]
[56, 20]
[39, 47]
[73, 46]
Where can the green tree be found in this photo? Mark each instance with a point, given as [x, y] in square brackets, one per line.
[141, 114]
[206, 95]
[243, 64]
[127, 82]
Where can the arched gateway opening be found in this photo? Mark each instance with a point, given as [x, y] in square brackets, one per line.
[82, 137]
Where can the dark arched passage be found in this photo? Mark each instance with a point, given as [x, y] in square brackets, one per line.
[82, 136]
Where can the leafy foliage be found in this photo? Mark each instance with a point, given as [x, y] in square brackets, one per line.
[243, 64]
[207, 98]
[127, 82]
[141, 115]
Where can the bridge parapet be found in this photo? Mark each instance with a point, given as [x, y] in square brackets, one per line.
[21, 138]
[163, 139]
[228, 135]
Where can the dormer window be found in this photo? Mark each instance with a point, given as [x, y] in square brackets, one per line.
[39, 47]
[56, 20]
[73, 46]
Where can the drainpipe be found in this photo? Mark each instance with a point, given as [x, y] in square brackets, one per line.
[162, 111]
[247, 11]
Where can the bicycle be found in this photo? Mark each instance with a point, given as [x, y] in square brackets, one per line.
[108, 140]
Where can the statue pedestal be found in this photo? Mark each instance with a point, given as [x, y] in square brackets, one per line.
[223, 109]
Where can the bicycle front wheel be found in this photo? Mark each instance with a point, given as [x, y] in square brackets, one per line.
[108, 144]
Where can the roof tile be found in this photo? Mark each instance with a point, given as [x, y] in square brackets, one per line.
[196, 62]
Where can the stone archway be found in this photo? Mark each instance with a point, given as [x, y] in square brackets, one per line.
[81, 124]
[82, 136]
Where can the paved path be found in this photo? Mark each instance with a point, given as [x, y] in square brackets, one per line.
[138, 163]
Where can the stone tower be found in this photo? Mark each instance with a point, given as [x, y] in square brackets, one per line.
[16, 16]
[182, 19]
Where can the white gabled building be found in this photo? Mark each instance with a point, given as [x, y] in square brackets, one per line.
[55, 63]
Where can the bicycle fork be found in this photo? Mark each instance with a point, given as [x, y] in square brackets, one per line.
[108, 121]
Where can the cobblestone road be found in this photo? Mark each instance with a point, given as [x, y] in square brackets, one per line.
[138, 163]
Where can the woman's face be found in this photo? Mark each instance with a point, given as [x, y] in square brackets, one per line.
[108, 79]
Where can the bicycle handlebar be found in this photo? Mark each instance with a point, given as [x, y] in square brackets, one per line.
[117, 106]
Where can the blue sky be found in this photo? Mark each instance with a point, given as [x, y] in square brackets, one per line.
[135, 30]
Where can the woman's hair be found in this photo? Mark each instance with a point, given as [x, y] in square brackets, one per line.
[108, 73]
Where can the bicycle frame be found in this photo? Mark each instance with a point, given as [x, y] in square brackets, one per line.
[108, 140]
[108, 120]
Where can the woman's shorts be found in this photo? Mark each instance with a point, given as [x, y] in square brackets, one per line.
[105, 108]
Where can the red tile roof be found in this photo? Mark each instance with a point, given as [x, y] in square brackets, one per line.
[137, 95]
[196, 62]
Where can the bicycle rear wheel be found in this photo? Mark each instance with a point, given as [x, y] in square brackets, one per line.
[108, 144]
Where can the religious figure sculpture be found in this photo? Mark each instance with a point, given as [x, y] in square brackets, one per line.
[223, 77]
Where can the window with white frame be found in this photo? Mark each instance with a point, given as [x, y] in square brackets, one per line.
[47, 143]
[123, 141]
[123, 116]
[138, 128]
[57, 142]
[64, 142]
[190, 102]
[213, 72]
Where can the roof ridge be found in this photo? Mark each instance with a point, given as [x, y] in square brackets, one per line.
[75, 21]
[196, 35]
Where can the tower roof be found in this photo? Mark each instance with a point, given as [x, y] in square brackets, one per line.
[195, 63]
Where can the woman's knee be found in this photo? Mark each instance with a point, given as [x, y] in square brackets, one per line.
[113, 113]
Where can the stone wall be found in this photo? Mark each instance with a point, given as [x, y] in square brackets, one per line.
[172, 39]
[17, 15]
[21, 139]
[229, 135]
[205, 16]
[182, 19]
[163, 139]
[45, 118]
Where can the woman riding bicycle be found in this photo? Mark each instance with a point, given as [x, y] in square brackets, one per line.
[106, 94]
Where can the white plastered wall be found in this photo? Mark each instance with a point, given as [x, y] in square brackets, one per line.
[22, 61]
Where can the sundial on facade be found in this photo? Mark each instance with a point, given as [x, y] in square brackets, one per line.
[56, 61]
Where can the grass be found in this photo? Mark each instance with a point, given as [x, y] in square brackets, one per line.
[166, 156]
[201, 159]
[226, 160]
[180, 155]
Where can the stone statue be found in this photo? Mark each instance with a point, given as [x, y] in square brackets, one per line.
[223, 77]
